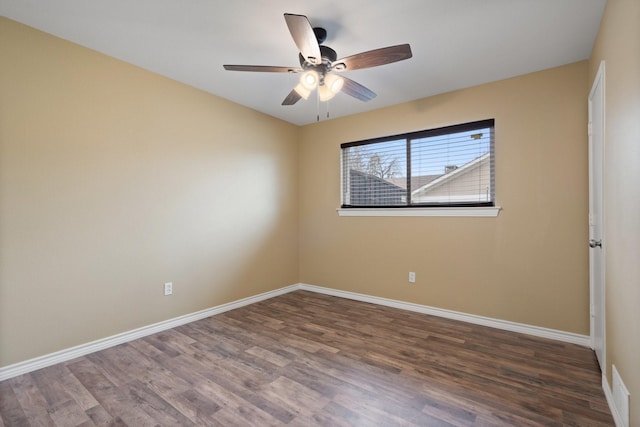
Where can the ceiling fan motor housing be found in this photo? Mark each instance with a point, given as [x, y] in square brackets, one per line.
[328, 57]
[328, 54]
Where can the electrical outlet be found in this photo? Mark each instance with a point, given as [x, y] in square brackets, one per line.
[168, 288]
[412, 277]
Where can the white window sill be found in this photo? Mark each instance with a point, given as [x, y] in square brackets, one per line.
[462, 211]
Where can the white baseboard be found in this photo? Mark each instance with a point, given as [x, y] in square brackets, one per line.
[101, 344]
[537, 331]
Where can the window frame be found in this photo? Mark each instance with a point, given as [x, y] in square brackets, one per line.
[466, 208]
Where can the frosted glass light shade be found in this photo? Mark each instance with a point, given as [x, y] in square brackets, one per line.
[325, 93]
[309, 79]
[302, 91]
[334, 83]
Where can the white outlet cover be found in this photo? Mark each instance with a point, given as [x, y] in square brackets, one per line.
[168, 288]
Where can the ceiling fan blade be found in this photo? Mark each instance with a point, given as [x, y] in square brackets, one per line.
[292, 98]
[304, 37]
[262, 68]
[357, 90]
[373, 58]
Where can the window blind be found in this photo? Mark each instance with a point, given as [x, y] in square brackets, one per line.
[451, 166]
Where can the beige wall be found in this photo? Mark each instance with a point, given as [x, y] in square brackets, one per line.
[618, 44]
[114, 180]
[529, 265]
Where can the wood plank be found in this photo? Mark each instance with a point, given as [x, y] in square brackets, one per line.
[31, 400]
[11, 411]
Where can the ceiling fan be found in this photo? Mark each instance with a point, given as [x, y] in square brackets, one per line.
[320, 67]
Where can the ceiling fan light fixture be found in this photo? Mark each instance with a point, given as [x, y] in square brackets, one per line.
[302, 91]
[334, 83]
[309, 79]
[325, 93]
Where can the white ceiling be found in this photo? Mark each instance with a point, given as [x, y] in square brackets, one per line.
[455, 43]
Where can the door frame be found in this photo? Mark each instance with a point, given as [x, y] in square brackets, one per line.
[599, 81]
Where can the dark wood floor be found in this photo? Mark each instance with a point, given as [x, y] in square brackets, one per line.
[306, 359]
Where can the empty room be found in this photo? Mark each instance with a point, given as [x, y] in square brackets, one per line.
[331, 213]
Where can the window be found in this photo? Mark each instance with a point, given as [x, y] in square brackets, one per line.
[449, 167]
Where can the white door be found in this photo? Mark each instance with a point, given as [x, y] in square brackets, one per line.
[596, 213]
